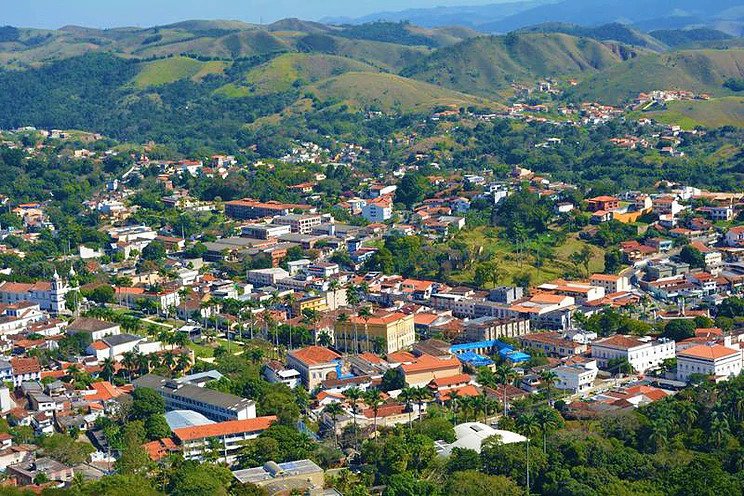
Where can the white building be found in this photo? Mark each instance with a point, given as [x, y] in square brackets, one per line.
[611, 283]
[226, 438]
[50, 296]
[275, 372]
[716, 360]
[378, 210]
[642, 353]
[266, 277]
[576, 378]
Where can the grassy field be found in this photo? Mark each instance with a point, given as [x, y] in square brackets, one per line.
[512, 264]
[389, 92]
[726, 111]
[172, 69]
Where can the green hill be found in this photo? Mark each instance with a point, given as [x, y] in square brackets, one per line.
[487, 65]
[296, 70]
[388, 92]
[702, 71]
[621, 33]
[172, 69]
[726, 111]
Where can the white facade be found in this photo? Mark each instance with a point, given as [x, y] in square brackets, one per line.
[377, 211]
[716, 360]
[266, 277]
[642, 354]
[576, 378]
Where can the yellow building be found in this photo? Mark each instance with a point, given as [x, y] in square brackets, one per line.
[317, 303]
[395, 330]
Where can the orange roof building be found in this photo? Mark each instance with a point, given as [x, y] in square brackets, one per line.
[196, 441]
[710, 360]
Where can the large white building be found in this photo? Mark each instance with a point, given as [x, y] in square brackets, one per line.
[642, 353]
[50, 296]
[226, 438]
[716, 360]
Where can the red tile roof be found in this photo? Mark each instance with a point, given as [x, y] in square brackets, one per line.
[708, 352]
[450, 381]
[429, 363]
[315, 355]
[25, 365]
[229, 427]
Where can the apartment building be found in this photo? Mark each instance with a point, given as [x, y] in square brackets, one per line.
[298, 223]
[226, 438]
[214, 405]
[253, 209]
[576, 378]
[610, 282]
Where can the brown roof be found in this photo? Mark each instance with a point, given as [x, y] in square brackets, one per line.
[619, 341]
[90, 325]
[429, 363]
[25, 365]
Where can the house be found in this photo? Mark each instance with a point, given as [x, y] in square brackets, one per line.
[393, 331]
[274, 371]
[93, 329]
[553, 344]
[266, 277]
[116, 345]
[26, 474]
[716, 360]
[642, 353]
[25, 369]
[225, 438]
[253, 209]
[734, 237]
[605, 203]
[315, 364]
[579, 291]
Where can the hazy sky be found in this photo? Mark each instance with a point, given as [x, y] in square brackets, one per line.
[112, 13]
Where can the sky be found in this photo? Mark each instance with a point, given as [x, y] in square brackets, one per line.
[143, 13]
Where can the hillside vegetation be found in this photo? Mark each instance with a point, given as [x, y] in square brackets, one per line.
[486, 65]
[702, 71]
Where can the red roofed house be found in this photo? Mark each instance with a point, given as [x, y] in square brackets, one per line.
[315, 364]
[25, 369]
[716, 360]
[602, 203]
[196, 441]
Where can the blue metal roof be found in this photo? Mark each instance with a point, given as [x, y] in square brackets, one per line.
[474, 359]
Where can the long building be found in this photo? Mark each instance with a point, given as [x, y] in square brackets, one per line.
[395, 330]
[254, 209]
[214, 405]
[225, 438]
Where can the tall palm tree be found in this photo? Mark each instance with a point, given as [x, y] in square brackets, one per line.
[373, 399]
[548, 420]
[255, 355]
[528, 426]
[687, 413]
[341, 319]
[505, 375]
[107, 369]
[408, 396]
[169, 360]
[719, 427]
[454, 396]
[354, 394]
[548, 378]
[128, 362]
[143, 363]
[423, 394]
[333, 410]
[290, 300]
[365, 313]
[183, 362]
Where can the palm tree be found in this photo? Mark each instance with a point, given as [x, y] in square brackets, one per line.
[143, 363]
[290, 300]
[255, 355]
[719, 427]
[486, 377]
[324, 339]
[505, 375]
[659, 433]
[548, 378]
[373, 398]
[334, 410]
[453, 397]
[169, 360]
[423, 394]
[183, 362]
[548, 419]
[527, 424]
[408, 396]
[342, 317]
[107, 369]
[128, 362]
[687, 413]
[354, 394]
[365, 313]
